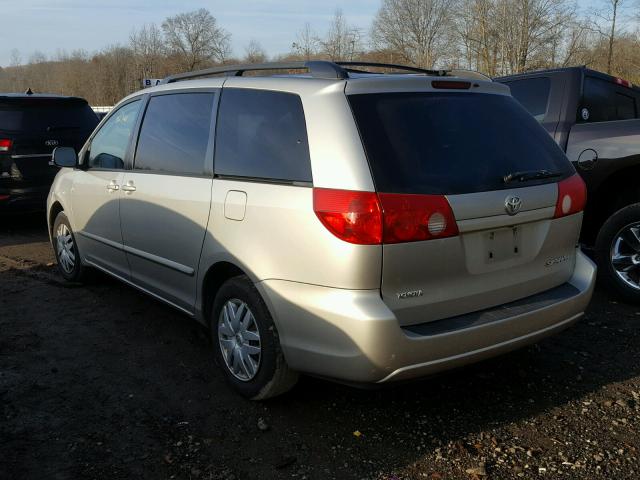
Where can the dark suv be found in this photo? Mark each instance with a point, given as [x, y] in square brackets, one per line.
[31, 126]
[595, 118]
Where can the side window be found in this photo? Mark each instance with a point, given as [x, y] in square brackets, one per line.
[110, 144]
[175, 133]
[606, 101]
[625, 107]
[262, 134]
[533, 94]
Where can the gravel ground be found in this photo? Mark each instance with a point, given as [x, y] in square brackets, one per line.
[100, 381]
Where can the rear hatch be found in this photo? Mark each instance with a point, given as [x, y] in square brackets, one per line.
[461, 234]
[34, 126]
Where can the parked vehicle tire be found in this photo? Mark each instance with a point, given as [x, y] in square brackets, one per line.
[246, 343]
[618, 252]
[66, 250]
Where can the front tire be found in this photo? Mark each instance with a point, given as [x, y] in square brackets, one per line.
[66, 250]
[618, 253]
[246, 343]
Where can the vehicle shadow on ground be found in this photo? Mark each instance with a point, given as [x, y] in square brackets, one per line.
[22, 228]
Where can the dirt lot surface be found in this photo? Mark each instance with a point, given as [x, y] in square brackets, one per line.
[100, 381]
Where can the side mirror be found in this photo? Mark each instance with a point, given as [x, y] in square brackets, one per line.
[65, 157]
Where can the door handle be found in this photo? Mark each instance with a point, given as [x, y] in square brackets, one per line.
[113, 186]
[129, 187]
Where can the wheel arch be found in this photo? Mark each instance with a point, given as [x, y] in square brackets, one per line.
[620, 189]
[54, 210]
[215, 276]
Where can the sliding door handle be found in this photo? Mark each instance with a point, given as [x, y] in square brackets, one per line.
[129, 187]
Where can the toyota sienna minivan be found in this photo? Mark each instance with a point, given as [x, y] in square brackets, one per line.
[357, 226]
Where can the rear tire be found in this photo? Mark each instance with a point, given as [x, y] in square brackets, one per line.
[66, 250]
[618, 253]
[246, 343]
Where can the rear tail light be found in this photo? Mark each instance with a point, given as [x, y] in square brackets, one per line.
[4, 197]
[368, 219]
[623, 82]
[5, 144]
[351, 216]
[412, 218]
[572, 196]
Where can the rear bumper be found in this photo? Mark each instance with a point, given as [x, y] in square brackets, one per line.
[352, 336]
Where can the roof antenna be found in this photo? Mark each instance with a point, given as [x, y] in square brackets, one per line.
[29, 91]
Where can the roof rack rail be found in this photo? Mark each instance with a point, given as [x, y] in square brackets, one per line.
[438, 73]
[318, 69]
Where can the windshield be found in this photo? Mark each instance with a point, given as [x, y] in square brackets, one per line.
[453, 143]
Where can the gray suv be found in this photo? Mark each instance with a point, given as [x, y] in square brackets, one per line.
[358, 226]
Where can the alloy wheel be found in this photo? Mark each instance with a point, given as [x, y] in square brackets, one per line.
[239, 339]
[625, 255]
[65, 248]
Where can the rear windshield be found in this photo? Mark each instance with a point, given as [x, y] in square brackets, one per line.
[452, 143]
[46, 116]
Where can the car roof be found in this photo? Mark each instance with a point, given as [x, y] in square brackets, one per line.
[579, 69]
[322, 75]
[304, 85]
[40, 96]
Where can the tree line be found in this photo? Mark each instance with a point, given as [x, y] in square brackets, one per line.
[495, 37]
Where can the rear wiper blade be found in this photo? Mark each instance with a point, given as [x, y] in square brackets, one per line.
[527, 175]
[61, 127]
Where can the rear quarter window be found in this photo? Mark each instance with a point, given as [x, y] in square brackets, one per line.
[451, 143]
[262, 134]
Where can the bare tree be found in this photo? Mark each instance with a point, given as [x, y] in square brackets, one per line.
[254, 53]
[196, 39]
[607, 24]
[478, 27]
[307, 42]
[148, 47]
[343, 41]
[16, 58]
[493, 36]
[576, 44]
[529, 27]
[37, 57]
[416, 29]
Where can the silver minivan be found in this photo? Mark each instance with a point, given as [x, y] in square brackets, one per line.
[358, 226]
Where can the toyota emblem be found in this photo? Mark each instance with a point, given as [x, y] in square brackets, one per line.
[512, 204]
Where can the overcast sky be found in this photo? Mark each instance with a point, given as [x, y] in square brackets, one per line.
[49, 25]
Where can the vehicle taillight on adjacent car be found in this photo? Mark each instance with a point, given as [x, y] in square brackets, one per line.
[5, 145]
[623, 82]
[572, 196]
[368, 218]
